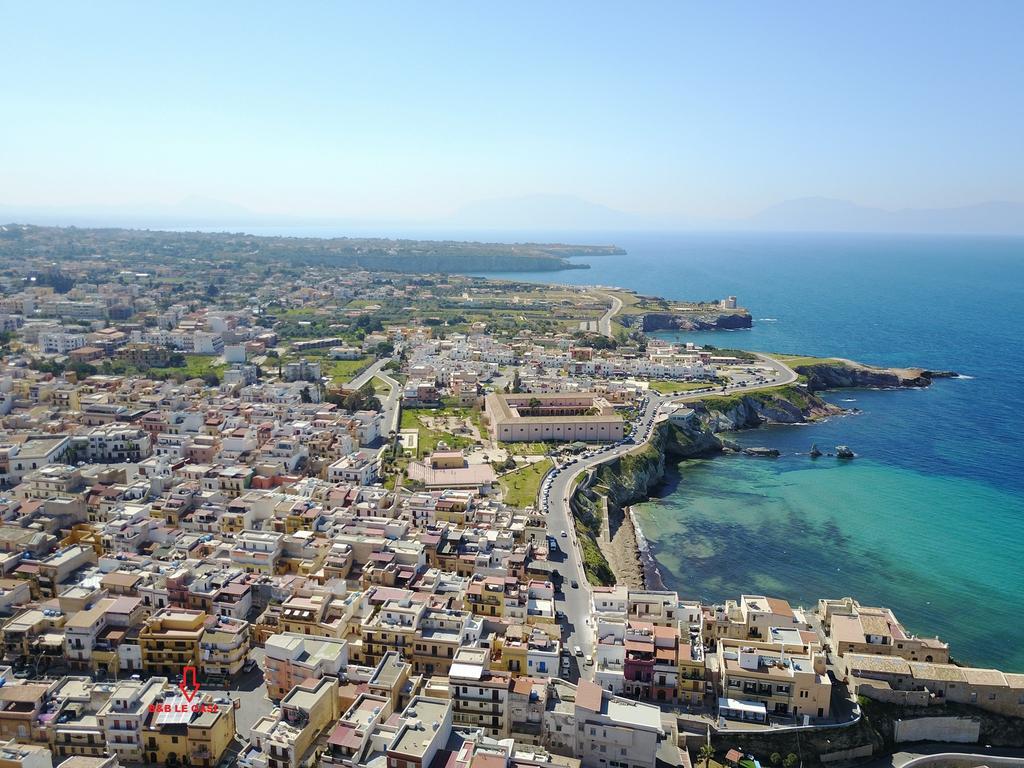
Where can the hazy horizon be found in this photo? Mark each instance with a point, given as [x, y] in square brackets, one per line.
[677, 116]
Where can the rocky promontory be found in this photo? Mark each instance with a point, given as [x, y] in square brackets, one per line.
[839, 374]
[689, 321]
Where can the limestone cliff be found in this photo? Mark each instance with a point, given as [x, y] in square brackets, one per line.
[688, 321]
[779, 405]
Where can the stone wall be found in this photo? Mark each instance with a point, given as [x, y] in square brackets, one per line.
[960, 730]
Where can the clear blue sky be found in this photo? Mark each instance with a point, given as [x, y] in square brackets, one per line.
[414, 109]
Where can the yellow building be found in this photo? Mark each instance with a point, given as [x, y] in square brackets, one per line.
[772, 679]
[200, 730]
[855, 628]
[170, 640]
[692, 673]
[486, 597]
[288, 735]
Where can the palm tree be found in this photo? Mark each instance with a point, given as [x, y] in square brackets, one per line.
[706, 753]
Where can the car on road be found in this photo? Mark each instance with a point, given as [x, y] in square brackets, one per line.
[564, 534]
[577, 651]
[560, 615]
[589, 660]
[575, 584]
[249, 665]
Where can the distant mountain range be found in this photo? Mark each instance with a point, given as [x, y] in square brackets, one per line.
[548, 213]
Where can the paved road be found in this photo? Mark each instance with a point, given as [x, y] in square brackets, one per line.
[783, 375]
[368, 373]
[390, 402]
[556, 490]
[604, 325]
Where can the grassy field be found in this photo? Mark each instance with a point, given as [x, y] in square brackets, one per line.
[520, 487]
[794, 361]
[477, 417]
[341, 371]
[428, 437]
[196, 367]
[667, 387]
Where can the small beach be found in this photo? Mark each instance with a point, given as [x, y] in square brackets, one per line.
[622, 550]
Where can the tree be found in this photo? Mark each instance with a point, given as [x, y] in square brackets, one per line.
[384, 349]
[305, 396]
[363, 399]
[775, 758]
[790, 760]
[706, 753]
[83, 370]
[212, 290]
[517, 382]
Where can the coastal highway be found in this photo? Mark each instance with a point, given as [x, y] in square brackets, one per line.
[559, 484]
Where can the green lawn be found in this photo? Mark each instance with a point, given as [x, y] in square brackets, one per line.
[428, 437]
[341, 371]
[667, 387]
[520, 487]
[477, 417]
[196, 367]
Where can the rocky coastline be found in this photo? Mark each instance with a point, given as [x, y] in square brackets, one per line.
[687, 321]
[617, 551]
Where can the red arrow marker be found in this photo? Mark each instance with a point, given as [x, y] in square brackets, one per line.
[189, 689]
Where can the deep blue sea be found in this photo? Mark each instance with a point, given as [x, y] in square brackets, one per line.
[929, 519]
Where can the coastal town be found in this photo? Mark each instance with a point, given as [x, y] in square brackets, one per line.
[276, 514]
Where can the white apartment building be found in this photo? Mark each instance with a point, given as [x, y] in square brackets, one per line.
[122, 717]
[61, 342]
[600, 729]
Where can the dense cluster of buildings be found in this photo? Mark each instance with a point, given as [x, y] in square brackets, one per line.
[241, 529]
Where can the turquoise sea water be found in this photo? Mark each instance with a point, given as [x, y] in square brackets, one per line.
[929, 519]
